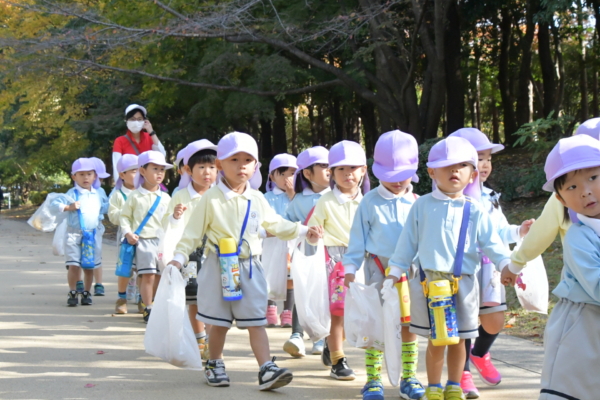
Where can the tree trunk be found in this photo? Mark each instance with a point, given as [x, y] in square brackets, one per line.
[523, 112]
[595, 94]
[548, 70]
[455, 92]
[369, 121]
[510, 122]
[338, 123]
[266, 138]
[295, 130]
[495, 119]
[279, 134]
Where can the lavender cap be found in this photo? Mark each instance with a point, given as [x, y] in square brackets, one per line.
[348, 153]
[396, 157]
[591, 127]
[152, 156]
[126, 162]
[188, 152]
[478, 139]
[280, 160]
[239, 142]
[314, 155]
[83, 164]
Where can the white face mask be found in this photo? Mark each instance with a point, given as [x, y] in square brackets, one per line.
[135, 126]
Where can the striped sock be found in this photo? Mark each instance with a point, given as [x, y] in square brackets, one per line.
[410, 357]
[373, 362]
[123, 295]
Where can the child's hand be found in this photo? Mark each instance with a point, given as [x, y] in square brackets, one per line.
[507, 278]
[392, 278]
[132, 238]
[178, 211]
[73, 206]
[348, 278]
[289, 188]
[525, 226]
[314, 234]
[269, 235]
[175, 264]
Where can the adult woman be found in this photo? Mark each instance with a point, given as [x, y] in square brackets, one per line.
[140, 136]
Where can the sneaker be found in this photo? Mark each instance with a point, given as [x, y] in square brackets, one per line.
[433, 393]
[468, 387]
[72, 298]
[325, 355]
[98, 289]
[488, 373]
[411, 388]
[121, 306]
[147, 312]
[79, 287]
[318, 347]
[215, 374]
[271, 316]
[271, 376]
[341, 371]
[454, 392]
[294, 346]
[286, 319]
[86, 298]
[372, 391]
[141, 306]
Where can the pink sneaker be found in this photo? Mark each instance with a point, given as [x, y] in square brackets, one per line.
[488, 373]
[286, 319]
[468, 387]
[271, 316]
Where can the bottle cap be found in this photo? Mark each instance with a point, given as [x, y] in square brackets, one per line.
[227, 245]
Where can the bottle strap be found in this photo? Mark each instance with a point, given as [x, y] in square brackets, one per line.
[137, 152]
[123, 194]
[378, 263]
[147, 217]
[242, 240]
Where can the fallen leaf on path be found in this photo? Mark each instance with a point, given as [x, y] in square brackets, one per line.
[89, 320]
[99, 352]
[89, 385]
[507, 326]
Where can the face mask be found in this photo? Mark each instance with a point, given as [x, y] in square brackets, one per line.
[135, 126]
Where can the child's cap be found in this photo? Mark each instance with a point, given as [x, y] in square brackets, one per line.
[126, 162]
[147, 157]
[136, 107]
[349, 153]
[280, 160]
[100, 171]
[83, 164]
[591, 127]
[478, 139]
[571, 154]
[396, 157]
[312, 156]
[236, 142]
[188, 152]
[179, 158]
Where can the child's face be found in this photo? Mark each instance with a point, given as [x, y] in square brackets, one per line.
[453, 179]
[320, 175]
[238, 168]
[203, 175]
[348, 177]
[581, 192]
[84, 179]
[128, 177]
[484, 165]
[397, 187]
[284, 181]
[153, 174]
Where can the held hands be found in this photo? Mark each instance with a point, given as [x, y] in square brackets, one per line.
[72, 206]
[507, 278]
[314, 234]
[178, 211]
[175, 264]
[525, 226]
[132, 238]
[348, 278]
[392, 278]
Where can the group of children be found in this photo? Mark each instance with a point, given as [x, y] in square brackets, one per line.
[324, 196]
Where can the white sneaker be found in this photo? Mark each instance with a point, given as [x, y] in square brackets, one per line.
[317, 347]
[294, 346]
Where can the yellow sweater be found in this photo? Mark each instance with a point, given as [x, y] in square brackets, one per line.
[189, 198]
[137, 206]
[115, 204]
[335, 212]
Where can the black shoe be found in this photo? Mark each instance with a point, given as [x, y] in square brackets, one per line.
[271, 376]
[215, 374]
[341, 371]
[86, 298]
[72, 299]
[147, 314]
[325, 355]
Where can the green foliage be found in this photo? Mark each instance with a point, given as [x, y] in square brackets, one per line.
[540, 136]
[36, 198]
[424, 185]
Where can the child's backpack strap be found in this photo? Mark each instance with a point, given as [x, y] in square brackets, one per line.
[147, 217]
[123, 194]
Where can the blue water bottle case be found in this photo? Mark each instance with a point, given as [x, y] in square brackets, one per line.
[88, 242]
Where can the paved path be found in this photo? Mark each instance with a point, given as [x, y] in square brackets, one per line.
[49, 351]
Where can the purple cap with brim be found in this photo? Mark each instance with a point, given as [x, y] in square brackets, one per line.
[83, 164]
[591, 127]
[478, 139]
[396, 157]
[126, 163]
[351, 154]
[571, 154]
[100, 171]
[280, 160]
[179, 157]
[147, 157]
[312, 156]
[188, 152]
[239, 142]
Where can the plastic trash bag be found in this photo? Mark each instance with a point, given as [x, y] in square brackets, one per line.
[392, 331]
[169, 237]
[363, 320]
[169, 334]
[274, 262]
[311, 291]
[532, 286]
[44, 218]
[60, 237]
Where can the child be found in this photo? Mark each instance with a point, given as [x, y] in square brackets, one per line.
[232, 209]
[571, 340]
[127, 166]
[199, 173]
[334, 212]
[151, 172]
[311, 181]
[82, 222]
[179, 165]
[491, 317]
[431, 231]
[377, 225]
[101, 174]
[280, 190]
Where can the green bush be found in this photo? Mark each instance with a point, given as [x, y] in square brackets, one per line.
[36, 198]
[424, 185]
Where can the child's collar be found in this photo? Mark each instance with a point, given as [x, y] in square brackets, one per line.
[82, 190]
[192, 191]
[590, 222]
[343, 198]
[277, 191]
[439, 195]
[230, 194]
[145, 191]
[387, 195]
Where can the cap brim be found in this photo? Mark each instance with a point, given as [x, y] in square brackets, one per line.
[549, 186]
[234, 152]
[492, 146]
[447, 163]
[103, 176]
[286, 166]
[347, 163]
[399, 175]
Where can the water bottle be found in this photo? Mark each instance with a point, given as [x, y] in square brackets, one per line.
[230, 269]
[337, 290]
[132, 288]
[491, 295]
[404, 295]
[442, 314]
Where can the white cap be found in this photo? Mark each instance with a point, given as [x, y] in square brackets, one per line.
[136, 107]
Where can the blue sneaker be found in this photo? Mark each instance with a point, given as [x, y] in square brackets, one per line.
[411, 389]
[98, 289]
[372, 391]
[79, 287]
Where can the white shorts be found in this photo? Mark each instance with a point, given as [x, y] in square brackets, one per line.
[467, 305]
[146, 256]
[73, 247]
[251, 310]
[571, 349]
[486, 309]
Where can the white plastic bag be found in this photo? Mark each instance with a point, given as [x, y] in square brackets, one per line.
[274, 262]
[169, 334]
[363, 317]
[311, 291]
[60, 236]
[532, 286]
[491, 292]
[44, 219]
[169, 237]
[392, 331]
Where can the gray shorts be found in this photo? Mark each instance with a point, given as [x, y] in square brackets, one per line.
[73, 247]
[571, 349]
[250, 311]
[467, 305]
[146, 256]
[486, 309]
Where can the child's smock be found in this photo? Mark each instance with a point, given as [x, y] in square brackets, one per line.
[116, 200]
[92, 203]
[136, 208]
[189, 198]
[302, 203]
[508, 233]
[279, 200]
